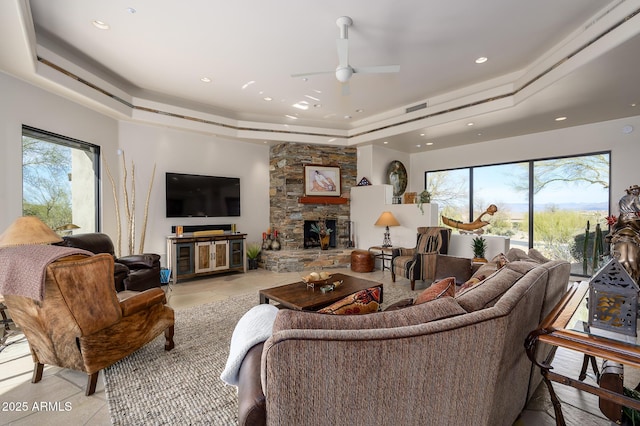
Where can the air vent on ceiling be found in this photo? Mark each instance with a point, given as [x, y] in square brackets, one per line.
[416, 107]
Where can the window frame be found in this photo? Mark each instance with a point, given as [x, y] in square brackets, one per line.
[69, 142]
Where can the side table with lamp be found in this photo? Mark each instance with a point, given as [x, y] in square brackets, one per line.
[385, 251]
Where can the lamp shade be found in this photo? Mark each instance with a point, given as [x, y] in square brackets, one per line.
[387, 219]
[28, 230]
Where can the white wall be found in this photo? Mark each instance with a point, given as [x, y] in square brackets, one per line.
[187, 152]
[171, 150]
[24, 104]
[374, 160]
[368, 203]
[605, 136]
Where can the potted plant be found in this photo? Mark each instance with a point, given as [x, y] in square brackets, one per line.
[253, 251]
[324, 233]
[479, 246]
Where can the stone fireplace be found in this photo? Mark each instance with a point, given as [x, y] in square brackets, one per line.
[290, 209]
[286, 189]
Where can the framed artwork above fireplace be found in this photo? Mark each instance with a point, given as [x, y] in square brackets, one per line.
[322, 180]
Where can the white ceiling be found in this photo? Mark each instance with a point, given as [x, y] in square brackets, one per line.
[573, 58]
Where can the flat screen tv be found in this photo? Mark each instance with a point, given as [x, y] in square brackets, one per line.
[202, 196]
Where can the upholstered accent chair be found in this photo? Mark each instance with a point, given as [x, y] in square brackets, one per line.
[419, 263]
[81, 325]
[137, 272]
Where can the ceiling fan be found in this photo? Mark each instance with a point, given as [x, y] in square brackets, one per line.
[344, 71]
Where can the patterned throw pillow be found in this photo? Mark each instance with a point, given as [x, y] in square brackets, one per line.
[470, 283]
[445, 287]
[363, 302]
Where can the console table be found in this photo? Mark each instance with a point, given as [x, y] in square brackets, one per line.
[563, 327]
[190, 255]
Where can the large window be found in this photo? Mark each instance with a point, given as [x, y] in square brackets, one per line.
[60, 181]
[544, 204]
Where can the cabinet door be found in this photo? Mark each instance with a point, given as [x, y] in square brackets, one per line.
[236, 253]
[184, 258]
[221, 255]
[204, 257]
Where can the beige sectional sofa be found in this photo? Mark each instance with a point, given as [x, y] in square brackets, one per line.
[450, 361]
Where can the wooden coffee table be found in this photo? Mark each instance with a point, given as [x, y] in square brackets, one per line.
[300, 297]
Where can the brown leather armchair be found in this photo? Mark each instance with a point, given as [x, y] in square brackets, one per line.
[137, 272]
[80, 324]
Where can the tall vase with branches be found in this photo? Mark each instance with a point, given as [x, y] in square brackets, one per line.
[129, 206]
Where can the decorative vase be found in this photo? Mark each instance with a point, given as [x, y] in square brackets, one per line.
[266, 244]
[324, 242]
[253, 263]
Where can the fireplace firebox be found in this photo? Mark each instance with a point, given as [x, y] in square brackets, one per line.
[312, 240]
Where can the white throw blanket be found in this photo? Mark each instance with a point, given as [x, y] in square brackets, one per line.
[254, 327]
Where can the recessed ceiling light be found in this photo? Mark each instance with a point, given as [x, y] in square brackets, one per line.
[303, 105]
[470, 124]
[482, 60]
[385, 142]
[131, 10]
[331, 140]
[317, 91]
[268, 98]
[359, 110]
[205, 80]
[561, 118]
[247, 84]
[347, 117]
[429, 143]
[418, 146]
[422, 134]
[633, 105]
[317, 105]
[311, 97]
[291, 117]
[100, 25]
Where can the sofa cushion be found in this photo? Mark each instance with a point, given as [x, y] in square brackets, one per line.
[485, 294]
[445, 287]
[362, 302]
[412, 315]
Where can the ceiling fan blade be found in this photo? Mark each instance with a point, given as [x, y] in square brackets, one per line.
[343, 52]
[377, 69]
[312, 73]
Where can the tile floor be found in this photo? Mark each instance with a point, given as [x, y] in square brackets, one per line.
[59, 398]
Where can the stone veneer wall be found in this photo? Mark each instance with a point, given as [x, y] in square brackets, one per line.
[287, 215]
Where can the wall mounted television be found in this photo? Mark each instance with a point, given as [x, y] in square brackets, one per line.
[202, 196]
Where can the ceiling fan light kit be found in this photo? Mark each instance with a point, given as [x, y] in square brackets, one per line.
[344, 71]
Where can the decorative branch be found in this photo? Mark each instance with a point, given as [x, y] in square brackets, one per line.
[130, 206]
[146, 210]
[117, 207]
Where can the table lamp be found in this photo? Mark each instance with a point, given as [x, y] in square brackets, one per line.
[28, 230]
[387, 219]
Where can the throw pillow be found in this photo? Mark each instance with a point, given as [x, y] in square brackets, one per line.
[491, 266]
[470, 283]
[363, 302]
[445, 287]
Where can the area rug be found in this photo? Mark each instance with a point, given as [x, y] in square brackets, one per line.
[182, 386]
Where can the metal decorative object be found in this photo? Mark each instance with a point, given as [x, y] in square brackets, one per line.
[613, 299]
[397, 178]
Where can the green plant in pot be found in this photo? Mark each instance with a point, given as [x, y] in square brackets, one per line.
[479, 246]
[253, 251]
